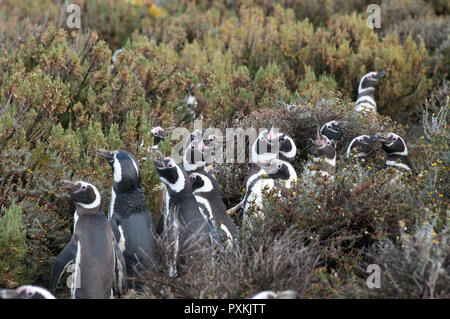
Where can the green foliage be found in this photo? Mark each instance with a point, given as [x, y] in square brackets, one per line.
[13, 248]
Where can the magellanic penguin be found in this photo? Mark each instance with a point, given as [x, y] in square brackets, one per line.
[208, 195]
[194, 158]
[396, 152]
[95, 259]
[26, 292]
[324, 154]
[184, 222]
[159, 134]
[360, 147]
[333, 130]
[272, 144]
[129, 215]
[366, 92]
[276, 172]
[114, 58]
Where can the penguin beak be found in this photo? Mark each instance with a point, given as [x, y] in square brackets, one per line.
[158, 153]
[109, 156]
[380, 75]
[8, 293]
[383, 137]
[67, 184]
[268, 135]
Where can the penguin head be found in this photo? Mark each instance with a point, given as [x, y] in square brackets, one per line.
[392, 144]
[126, 171]
[333, 130]
[171, 174]
[370, 81]
[84, 194]
[159, 134]
[322, 147]
[26, 292]
[271, 143]
[362, 144]
[201, 183]
[193, 136]
[277, 169]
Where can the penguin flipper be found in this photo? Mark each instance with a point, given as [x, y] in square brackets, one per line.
[120, 271]
[64, 259]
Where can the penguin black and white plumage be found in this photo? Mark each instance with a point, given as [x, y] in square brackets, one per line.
[366, 92]
[26, 292]
[324, 153]
[95, 262]
[271, 144]
[159, 134]
[269, 175]
[183, 219]
[114, 58]
[360, 147]
[129, 215]
[194, 157]
[192, 104]
[396, 152]
[333, 130]
[208, 195]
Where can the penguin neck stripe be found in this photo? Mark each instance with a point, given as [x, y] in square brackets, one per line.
[117, 170]
[95, 203]
[207, 187]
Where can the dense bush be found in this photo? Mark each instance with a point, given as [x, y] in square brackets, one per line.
[295, 61]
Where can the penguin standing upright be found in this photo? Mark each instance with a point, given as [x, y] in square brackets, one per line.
[366, 90]
[129, 215]
[95, 259]
[183, 219]
[194, 158]
[396, 152]
[264, 180]
[324, 153]
[208, 195]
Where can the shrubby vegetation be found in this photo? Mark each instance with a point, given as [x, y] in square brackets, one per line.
[295, 61]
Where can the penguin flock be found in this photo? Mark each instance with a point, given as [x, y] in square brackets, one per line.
[106, 253]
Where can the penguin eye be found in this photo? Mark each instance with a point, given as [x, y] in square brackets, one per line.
[329, 125]
[279, 165]
[83, 187]
[360, 139]
[328, 142]
[192, 147]
[29, 293]
[170, 165]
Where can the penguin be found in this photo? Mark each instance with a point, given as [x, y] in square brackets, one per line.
[324, 152]
[26, 292]
[159, 134]
[366, 89]
[270, 294]
[192, 104]
[271, 144]
[360, 147]
[208, 195]
[95, 260]
[66, 259]
[396, 152]
[129, 215]
[333, 130]
[183, 219]
[114, 58]
[264, 180]
[194, 158]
